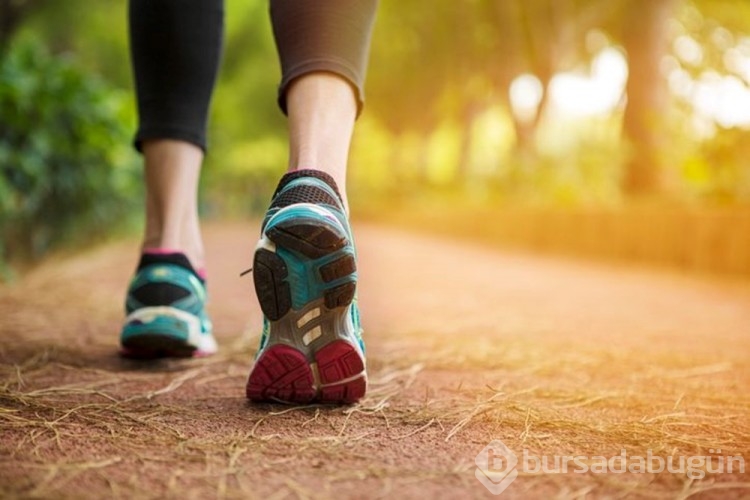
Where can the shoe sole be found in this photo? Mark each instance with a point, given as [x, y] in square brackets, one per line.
[164, 332]
[156, 345]
[311, 353]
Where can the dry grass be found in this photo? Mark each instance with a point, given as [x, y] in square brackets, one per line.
[100, 432]
[77, 421]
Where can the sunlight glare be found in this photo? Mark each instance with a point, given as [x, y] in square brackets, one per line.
[738, 63]
[688, 50]
[725, 99]
[525, 95]
[574, 94]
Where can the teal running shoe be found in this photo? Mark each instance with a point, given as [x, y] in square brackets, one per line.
[165, 310]
[305, 274]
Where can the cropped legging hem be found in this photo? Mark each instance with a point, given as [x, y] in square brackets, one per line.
[167, 131]
[338, 68]
[176, 47]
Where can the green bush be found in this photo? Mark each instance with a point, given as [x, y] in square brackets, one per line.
[68, 171]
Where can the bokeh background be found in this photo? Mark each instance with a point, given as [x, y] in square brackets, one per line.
[615, 129]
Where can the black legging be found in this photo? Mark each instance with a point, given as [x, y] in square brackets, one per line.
[176, 46]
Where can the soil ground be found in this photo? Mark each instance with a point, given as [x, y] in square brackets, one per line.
[466, 345]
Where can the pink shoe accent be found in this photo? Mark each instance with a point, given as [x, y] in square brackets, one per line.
[161, 251]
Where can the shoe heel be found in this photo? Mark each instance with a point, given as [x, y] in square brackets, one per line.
[308, 237]
[342, 373]
[283, 374]
[152, 332]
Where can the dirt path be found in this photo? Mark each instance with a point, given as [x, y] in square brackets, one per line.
[466, 345]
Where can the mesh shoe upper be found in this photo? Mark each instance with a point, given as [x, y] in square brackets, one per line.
[167, 280]
[305, 276]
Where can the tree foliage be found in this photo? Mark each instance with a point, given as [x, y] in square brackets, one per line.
[67, 169]
[439, 112]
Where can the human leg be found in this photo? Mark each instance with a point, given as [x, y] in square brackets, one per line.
[305, 265]
[175, 50]
[172, 171]
[321, 109]
[323, 50]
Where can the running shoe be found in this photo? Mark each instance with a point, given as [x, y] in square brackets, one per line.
[304, 270]
[165, 308]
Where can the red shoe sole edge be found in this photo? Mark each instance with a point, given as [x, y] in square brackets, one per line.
[283, 374]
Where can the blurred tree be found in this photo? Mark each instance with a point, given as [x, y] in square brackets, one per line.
[714, 167]
[438, 84]
[456, 60]
[246, 131]
[12, 14]
[411, 47]
[95, 33]
[646, 43]
[531, 35]
[66, 167]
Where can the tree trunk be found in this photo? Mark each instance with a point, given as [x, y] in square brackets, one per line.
[11, 14]
[471, 111]
[645, 39]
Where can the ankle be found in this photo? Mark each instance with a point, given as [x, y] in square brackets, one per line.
[193, 252]
[338, 176]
